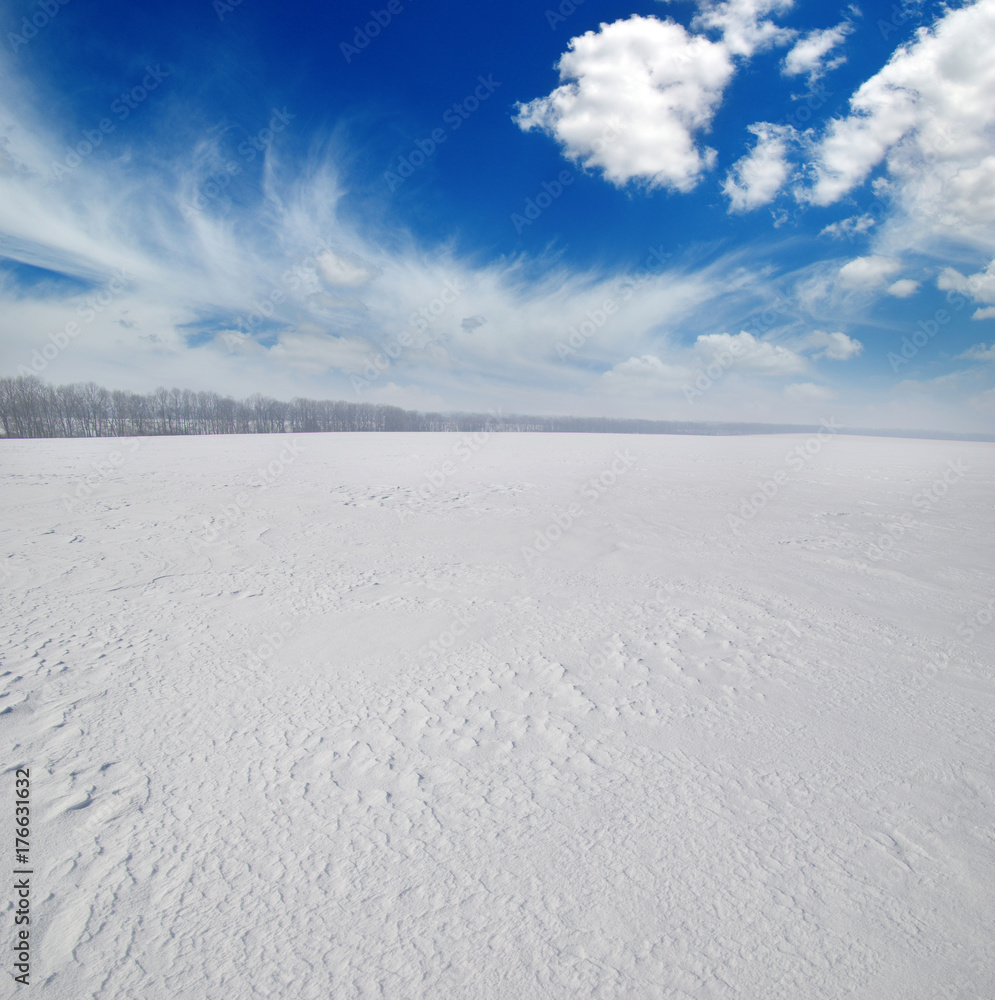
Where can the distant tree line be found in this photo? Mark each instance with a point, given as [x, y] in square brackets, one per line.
[30, 408]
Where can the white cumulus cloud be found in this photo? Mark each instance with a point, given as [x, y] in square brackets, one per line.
[633, 99]
[928, 117]
[979, 352]
[804, 392]
[646, 373]
[867, 273]
[745, 25]
[903, 288]
[856, 225]
[747, 353]
[808, 56]
[979, 286]
[756, 178]
[834, 346]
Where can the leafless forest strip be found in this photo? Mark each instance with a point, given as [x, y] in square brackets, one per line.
[31, 408]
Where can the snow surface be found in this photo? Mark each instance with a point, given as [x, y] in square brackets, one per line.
[660, 758]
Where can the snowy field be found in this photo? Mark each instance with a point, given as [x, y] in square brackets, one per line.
[512, 716]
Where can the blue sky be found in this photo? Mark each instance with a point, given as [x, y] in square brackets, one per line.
[747, 210]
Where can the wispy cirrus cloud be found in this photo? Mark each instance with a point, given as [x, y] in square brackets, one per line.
[268, 284]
